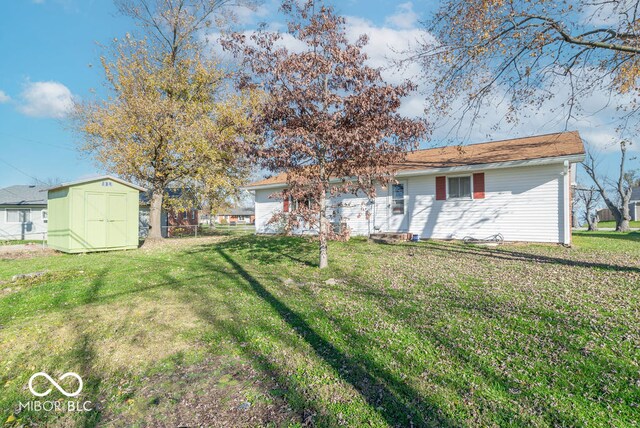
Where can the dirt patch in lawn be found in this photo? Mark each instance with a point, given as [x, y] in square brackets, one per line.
[213, 393]
[24, 251]
[173, 243]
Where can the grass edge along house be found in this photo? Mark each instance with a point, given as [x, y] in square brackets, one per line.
[520, 188]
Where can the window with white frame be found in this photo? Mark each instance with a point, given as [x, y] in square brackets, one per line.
[397, 198]
[18, 215]
[459, 187]
[45, 216]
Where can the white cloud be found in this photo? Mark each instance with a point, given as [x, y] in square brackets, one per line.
[249, 15]
[404, 17]
[4, 98]
[46, 99]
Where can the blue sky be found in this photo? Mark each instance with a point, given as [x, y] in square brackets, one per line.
[50, 55]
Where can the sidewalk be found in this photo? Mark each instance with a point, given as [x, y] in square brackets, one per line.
[604, 229]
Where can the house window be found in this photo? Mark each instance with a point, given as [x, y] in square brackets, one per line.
[45, 216]
[305, 201]
[397, 198]
[16, 215]
[193, 215]
[459, 187]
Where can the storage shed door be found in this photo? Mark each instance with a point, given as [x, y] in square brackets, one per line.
[96, 205]
[117, 220]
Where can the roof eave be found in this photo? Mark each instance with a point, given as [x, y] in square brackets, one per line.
[98, 178]
[574, 158]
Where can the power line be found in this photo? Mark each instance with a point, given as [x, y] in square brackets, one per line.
[38, 142]
[22, 172]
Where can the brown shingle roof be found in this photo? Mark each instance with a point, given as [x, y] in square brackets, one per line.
[527, 148]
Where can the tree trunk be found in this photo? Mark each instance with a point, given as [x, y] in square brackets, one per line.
[621, 218]
[592, 222]
[155, 215]
[623, 225]
[322, 234]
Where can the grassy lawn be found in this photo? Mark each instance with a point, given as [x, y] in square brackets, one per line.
[19, 242]
[613, 224]
[245, 331]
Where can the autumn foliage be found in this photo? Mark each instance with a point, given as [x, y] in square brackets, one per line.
[528, 52]
[331, 121]
[171, 118]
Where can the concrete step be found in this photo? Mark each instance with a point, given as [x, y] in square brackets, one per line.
[390, 237]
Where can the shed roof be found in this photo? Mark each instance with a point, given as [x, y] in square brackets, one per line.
[517, 149]
[23, 195]
[98, 178]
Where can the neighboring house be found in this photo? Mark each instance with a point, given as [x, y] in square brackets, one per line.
[236, 216]
[170, 219]
[634, 204]
[520, 188]
[634, 208]
[23, 212]
[605, 214]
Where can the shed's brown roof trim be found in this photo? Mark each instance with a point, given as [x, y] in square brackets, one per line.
[516, 149]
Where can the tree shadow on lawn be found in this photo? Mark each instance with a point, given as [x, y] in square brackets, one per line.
[83, 356]
[270, 249]
[512, 255]
[396, 402]
[589, 379]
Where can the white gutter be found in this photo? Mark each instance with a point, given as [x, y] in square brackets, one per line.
[566, 214]
[454, 169]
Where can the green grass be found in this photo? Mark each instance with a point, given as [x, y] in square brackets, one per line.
[19, 242]
[613, 224]
[434, 334]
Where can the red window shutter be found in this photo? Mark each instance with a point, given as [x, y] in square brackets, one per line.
[478, 185]
[286, 204]
[441, 188]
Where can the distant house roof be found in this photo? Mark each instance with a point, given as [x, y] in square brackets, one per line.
[518, 149]
[237, 211]
[635, 194]
[23, 195]
[98, 178]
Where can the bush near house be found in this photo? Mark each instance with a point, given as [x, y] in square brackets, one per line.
[243, 331]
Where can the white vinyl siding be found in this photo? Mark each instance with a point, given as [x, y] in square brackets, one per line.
[265, 208]
[22, 223]
[522, 203]
[18, 215]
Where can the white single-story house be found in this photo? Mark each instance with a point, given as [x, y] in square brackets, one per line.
[23, 212]
[236, 215]
[520, 188]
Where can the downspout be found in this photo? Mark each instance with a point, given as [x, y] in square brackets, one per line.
[567, 204]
